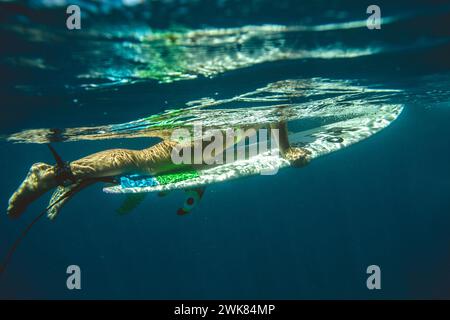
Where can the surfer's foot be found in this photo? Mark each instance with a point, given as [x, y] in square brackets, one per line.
[39, 180]
[298, 157]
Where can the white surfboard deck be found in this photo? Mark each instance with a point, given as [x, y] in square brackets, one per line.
[318, 141]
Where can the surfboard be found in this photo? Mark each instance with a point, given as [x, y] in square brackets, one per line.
[318, 141]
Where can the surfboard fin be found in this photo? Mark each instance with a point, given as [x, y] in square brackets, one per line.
[162, 194]
[193, 197]
[131, 202]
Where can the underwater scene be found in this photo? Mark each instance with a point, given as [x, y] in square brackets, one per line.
[225, 149]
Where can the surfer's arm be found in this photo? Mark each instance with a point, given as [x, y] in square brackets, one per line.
[283, 138]
[298, 157]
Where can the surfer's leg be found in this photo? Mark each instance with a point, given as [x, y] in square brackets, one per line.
[115, 162]
[298, 157]
[43, 177]
[106, 163]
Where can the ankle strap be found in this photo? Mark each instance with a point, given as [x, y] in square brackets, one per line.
[64, 175]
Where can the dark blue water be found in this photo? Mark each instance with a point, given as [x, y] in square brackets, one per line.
[304, 233]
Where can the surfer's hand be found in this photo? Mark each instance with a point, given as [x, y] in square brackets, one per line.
[298, 157]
